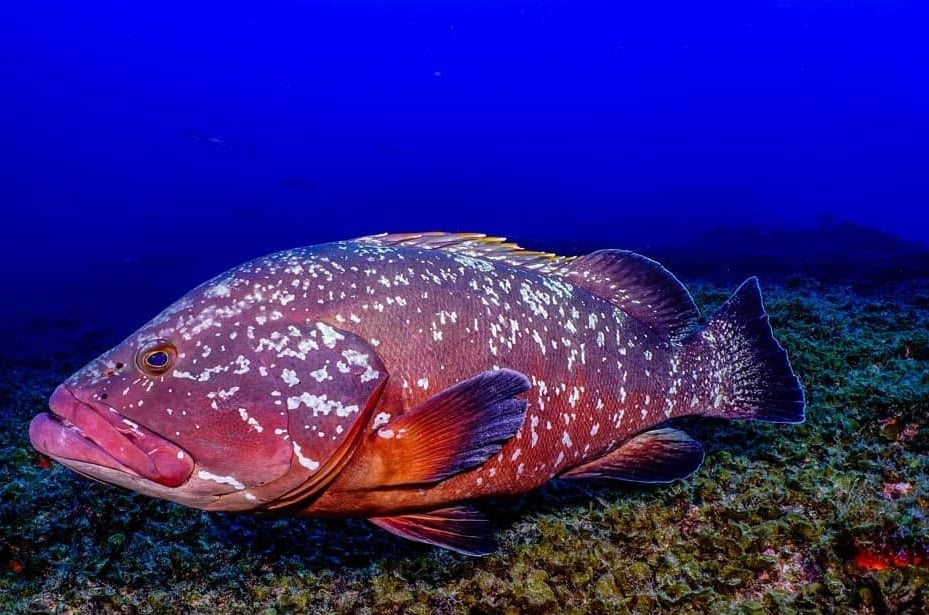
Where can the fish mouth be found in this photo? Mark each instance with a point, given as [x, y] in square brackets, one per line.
[96, 434]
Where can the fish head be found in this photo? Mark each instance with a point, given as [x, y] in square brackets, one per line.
[218, 403]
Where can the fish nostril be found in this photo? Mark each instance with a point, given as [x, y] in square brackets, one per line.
[104, 395]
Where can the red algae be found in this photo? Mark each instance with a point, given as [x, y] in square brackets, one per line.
[883, 558]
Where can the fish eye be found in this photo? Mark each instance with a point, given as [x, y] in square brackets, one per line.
[156, 357]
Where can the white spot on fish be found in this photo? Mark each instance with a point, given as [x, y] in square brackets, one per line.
[289, 377]
[321, 374]
[330, 335]
[223, 480]
[423, 383]
[218, 290]
[361, 360]
[538, 340]
[382, 418]
[227, 393]
[306, 462]
[242, 364]
[320, 404]
[574, 397]
[243, 413]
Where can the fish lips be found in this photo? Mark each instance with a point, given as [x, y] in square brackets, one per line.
[96, 434]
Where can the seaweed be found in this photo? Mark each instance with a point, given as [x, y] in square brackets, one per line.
[825, 516]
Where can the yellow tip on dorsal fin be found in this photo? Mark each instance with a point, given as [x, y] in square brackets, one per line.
[474, 245]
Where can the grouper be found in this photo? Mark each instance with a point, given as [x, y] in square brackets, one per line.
[401, 378]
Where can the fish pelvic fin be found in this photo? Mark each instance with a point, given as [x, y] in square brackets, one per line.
[742, 371]
[460, 528]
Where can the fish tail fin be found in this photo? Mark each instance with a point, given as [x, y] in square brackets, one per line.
[742, 372]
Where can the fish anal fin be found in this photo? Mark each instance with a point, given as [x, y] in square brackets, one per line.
[639, 286]
[657, 456]
[459, 528]
[455, 430]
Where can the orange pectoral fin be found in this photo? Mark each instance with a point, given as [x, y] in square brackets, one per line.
[452, 431]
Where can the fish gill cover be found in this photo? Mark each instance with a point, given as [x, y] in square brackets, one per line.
[148, 149]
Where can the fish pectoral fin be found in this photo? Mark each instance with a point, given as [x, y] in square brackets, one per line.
[455, 430]
[460, 528]
[657, 456]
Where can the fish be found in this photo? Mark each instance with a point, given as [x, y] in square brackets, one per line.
[406, 378]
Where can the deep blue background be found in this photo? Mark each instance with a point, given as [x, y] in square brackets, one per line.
[145, 148]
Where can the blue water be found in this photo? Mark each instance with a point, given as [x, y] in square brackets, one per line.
[148, 147]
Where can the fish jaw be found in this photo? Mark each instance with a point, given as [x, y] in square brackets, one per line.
[96, 436]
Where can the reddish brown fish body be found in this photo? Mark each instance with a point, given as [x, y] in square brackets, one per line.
[585, 396]
[397, 377]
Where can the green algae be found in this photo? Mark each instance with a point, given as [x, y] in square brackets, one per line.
[771, 523]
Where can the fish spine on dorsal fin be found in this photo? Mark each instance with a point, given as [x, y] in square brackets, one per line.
[636, 284]
[639, 286]
[475, 245]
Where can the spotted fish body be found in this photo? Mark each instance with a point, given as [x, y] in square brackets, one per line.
[397, 377]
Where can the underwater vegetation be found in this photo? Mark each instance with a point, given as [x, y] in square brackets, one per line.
[827, 516]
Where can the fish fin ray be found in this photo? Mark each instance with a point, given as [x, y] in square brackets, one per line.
[455, 430]
[758, 382]
[475, 245]
[657, 456]
[639, 286]
[460, 528]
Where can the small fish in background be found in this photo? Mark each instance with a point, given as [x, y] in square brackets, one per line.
[298, 183]
[218, 142]
[400, 377]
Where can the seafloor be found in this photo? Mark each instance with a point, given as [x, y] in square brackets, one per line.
[828, 516]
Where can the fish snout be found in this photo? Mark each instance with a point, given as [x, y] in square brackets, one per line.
[97, 434]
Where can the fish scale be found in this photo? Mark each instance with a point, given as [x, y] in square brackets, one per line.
[401, 377]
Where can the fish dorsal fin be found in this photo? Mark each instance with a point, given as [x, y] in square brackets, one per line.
[639, 286]
[475, 245]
